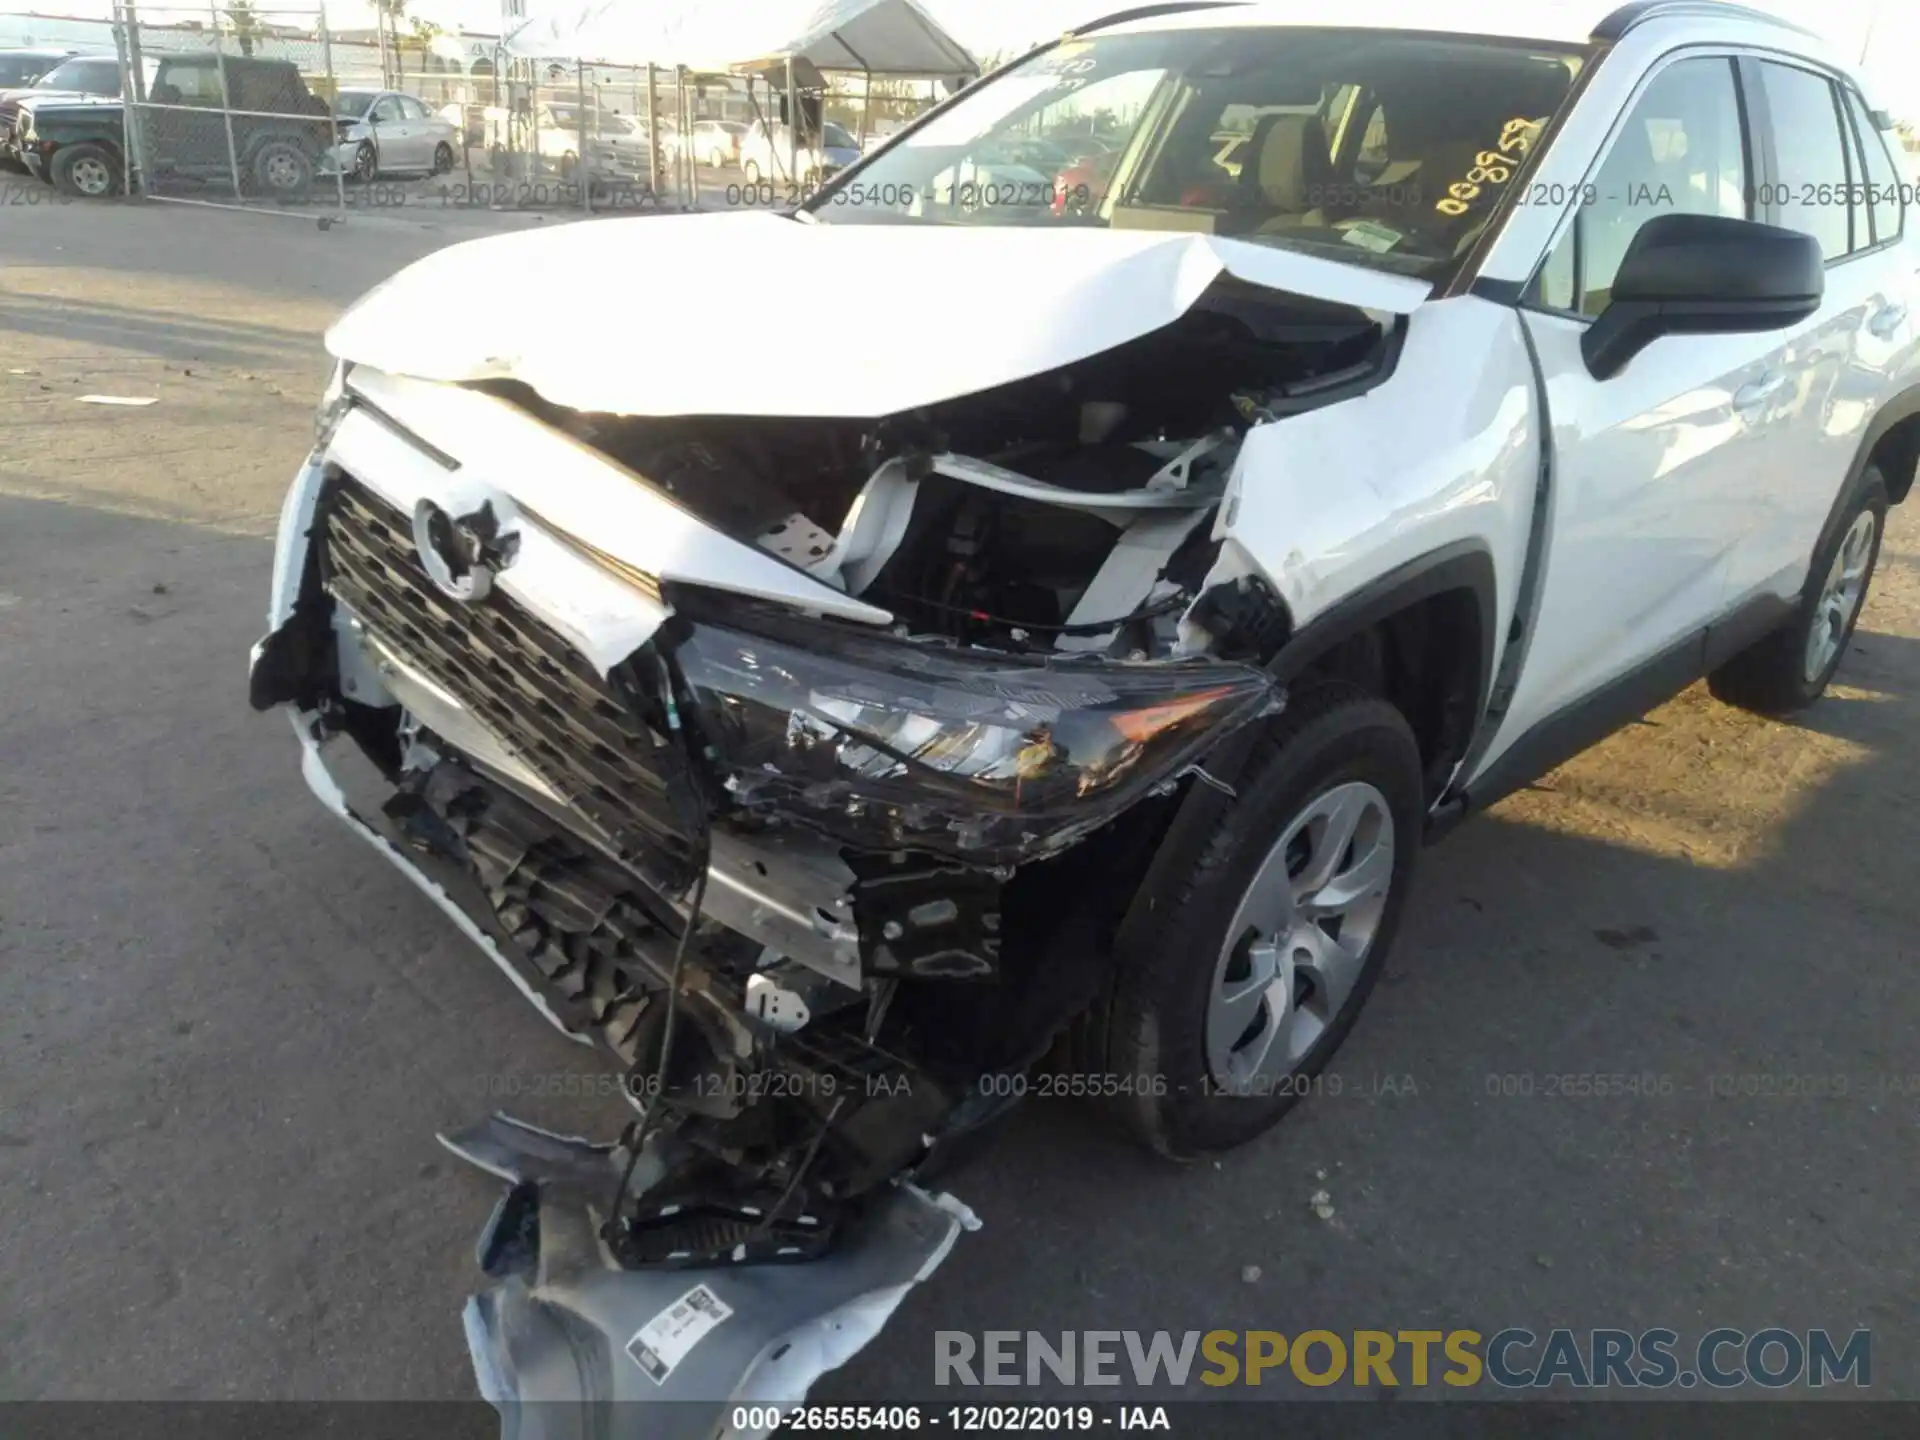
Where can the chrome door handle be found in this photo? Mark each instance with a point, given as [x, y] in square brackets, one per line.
[1758, 394]
[1886, 320]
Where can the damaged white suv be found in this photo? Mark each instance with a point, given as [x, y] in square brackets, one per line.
[1066, 646]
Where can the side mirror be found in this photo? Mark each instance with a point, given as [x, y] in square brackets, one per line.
[1704, 275]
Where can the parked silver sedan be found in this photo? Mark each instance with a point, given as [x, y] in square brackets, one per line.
[383, 132]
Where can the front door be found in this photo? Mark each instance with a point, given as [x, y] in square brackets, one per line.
[1655, 467]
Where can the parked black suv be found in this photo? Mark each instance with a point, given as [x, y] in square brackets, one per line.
[262, 120]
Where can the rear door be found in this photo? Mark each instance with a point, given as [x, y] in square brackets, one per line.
[392, 137]
[1836, 364]
[424, 131]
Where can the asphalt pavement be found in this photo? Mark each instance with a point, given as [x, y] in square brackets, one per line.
[229, 1032]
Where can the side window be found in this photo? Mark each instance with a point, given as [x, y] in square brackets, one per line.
[190, 84]
[1883, 181]
[412, 109]
[1679, 151]
[1809, 156]
[387, 111]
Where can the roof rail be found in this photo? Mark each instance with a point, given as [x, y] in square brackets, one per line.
[1149, 12]
[1639, 12]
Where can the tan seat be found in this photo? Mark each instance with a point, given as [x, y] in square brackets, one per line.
[1287, 171]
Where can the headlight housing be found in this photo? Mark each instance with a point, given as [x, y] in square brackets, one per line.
[996, 759]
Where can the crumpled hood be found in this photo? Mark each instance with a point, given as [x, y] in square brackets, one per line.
[756, 314]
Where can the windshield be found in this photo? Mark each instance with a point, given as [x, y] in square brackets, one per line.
[23, 69]
[1381, 148]
[354, 104]
[837, 137]
[87, 77]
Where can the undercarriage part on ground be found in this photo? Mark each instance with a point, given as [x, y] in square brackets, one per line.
[559, 1322]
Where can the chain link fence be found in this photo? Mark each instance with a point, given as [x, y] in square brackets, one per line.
[230, 105]
[234, 104]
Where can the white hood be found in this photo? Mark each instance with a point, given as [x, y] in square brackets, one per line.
[755, 314]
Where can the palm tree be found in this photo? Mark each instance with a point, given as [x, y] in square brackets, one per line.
[246, 24]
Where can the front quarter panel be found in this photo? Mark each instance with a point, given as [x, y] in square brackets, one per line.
[1445, 451]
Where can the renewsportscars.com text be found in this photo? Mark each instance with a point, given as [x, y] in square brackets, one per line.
[1512, 1359]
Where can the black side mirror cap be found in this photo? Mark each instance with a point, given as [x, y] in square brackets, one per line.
[1704, 275]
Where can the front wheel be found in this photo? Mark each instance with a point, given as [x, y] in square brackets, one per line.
[91, 171]
[1253, 967]
[366, 163]
[442, 158]
[1791, 668]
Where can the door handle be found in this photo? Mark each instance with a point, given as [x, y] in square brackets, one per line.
[1886, 320]
[1758, 394]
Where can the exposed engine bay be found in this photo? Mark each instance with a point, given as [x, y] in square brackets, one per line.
[811, 883]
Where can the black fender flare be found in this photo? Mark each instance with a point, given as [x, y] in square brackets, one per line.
[1464, 565]
[1901, 408]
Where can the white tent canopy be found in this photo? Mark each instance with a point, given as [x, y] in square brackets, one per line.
[880, 37]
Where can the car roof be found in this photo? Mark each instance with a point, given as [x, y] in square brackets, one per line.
[1574, 22]
[207, 57]
[39, 52]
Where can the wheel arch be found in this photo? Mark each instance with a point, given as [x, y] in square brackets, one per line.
[1892, 442]
[1455, 580]
[1423, 636]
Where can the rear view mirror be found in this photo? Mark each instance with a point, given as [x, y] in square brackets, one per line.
[1704, 275]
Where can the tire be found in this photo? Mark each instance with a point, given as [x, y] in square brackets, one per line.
[442, 158]
[282, 170]
[92, 172]
[1337, 753]
[750, 172]
[366, 163]
[569, 166]
[1790, 669]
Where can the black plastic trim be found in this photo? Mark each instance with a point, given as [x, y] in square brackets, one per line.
[1588, 721]
[1904, 406]
[1152, 12]
[1616, 25]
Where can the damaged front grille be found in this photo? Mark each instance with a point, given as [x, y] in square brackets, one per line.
[537, 695]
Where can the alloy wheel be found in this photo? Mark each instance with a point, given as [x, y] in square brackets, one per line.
[1299, 938]
[91, 176]
[1840, 597]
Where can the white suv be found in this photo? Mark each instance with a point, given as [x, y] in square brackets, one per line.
[1085, 641]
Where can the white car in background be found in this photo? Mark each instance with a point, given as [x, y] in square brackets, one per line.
[384, 132]
[766, 154]
[717, 142]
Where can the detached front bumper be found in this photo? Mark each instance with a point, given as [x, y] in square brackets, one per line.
[558, 1322]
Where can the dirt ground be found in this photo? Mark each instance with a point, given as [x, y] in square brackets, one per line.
[228, 1033]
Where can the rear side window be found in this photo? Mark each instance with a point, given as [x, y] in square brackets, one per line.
[1886, 212]
[191, 85]
[1810, 187]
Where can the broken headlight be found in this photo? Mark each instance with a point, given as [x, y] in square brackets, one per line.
[894, 744]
